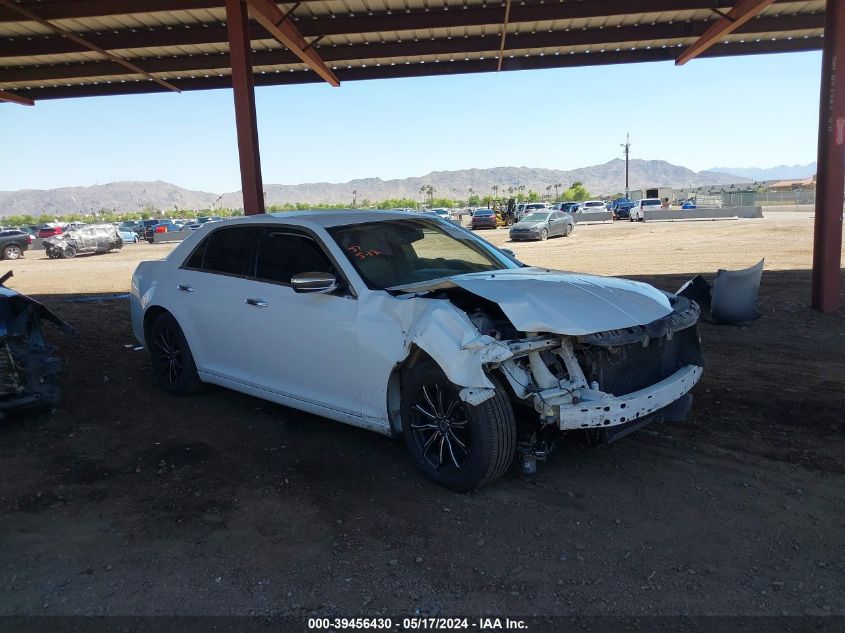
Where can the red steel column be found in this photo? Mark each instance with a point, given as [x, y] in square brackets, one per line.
[830, 179]
[240, 53]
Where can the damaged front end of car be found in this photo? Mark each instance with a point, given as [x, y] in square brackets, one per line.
[28, 364]
[615, 381]
[580, 353]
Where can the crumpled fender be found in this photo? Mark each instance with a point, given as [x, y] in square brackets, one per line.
[436, 327]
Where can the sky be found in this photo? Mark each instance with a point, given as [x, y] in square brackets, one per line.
[755, 111]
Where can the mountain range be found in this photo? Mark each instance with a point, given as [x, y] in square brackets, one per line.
[604, 179]
[781, 172]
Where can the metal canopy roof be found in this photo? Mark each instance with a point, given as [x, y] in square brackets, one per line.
[155, 45]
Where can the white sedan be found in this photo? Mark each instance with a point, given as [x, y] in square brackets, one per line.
[413, 327]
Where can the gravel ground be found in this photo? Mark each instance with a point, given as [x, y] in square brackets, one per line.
[127, 501]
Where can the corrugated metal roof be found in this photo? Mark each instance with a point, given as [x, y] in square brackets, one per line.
[185, 40]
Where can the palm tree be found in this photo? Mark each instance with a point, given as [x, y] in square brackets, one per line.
[354, 197]
[557, 187]
[549, 191]
[495, 190]
[510, 191]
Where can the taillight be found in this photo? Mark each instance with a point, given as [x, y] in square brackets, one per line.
[28, 240]
[161, 229]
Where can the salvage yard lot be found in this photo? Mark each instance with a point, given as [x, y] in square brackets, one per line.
[127, 501]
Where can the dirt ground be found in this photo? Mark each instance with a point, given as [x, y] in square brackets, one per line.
[127, 501]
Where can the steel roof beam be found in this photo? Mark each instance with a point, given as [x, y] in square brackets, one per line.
[736, 17]
[29, 15]
[13, 98]
[430, 69]
[279, 25]
[75, 9]
[217, 34]
[455, 46]
[326, 26]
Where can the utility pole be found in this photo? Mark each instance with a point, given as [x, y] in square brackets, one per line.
[627, 146]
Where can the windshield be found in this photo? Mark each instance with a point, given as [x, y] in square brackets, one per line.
[399, 252]
[536, 217]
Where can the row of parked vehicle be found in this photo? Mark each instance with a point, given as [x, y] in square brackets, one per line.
[147, 229]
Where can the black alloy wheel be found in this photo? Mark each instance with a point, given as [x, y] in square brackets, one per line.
[455, 444]
[440, 428]
[173, 362]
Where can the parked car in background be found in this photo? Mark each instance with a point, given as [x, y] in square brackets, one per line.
[439, 212]
[129, 236]
[621, 208]
[453, 333]
[13, 243]
[540, 225]
[636, 214]
[483, 218]
[91, 238]
[163, 226]
[590, 206]
[49, 231]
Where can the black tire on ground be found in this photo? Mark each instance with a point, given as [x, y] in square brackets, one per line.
[455, 444]
[544, 235]
[173, 363]
[12, 251]
[68, 252]
[568, 231]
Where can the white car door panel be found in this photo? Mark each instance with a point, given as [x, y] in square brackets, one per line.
[208, 301]
[303, 345]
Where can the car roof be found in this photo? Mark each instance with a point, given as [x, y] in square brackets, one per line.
[326, 218]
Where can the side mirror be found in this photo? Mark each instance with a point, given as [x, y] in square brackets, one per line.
[313, 282]
[508, 252]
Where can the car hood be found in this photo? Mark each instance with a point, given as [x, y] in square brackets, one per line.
[572, 304]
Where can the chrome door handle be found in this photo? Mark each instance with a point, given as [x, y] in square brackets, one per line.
[184, 288]
[258, 303]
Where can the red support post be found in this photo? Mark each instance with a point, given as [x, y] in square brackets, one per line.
[240, 53]
[830, 179]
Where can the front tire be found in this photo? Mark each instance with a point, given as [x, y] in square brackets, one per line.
[544, 235]
[460, 446]
[173, 363]
[568, 231]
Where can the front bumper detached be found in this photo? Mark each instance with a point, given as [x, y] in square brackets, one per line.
[618, 379]
[616, 410]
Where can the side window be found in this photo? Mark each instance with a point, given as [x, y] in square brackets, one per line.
[225, 251]
[195, 260]
[283, 254]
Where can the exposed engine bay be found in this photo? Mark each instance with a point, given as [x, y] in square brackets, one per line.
[615, 381]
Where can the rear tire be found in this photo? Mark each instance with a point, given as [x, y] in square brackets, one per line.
[173, 363]
[460, 446]
[12, 251]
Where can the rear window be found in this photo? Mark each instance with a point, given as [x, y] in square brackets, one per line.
[225, 251]
[483, 213]
[650, 202]
[594, 204]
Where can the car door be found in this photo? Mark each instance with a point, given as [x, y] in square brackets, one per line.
[555, 224]
[301, 345]
[208, 301]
